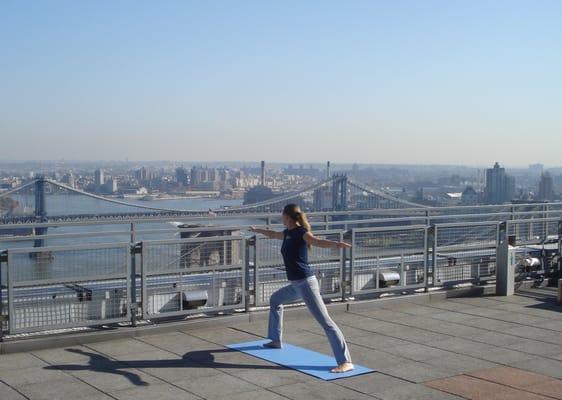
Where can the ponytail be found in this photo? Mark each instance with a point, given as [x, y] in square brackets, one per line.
[303, 221]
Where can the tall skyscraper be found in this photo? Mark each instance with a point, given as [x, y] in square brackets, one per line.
[69, 179]
[500, 187]
[143, 174]
[99, 177]
[111, 185]
[181, 176]
[546, 191]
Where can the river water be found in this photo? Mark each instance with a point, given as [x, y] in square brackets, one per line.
[72, 205]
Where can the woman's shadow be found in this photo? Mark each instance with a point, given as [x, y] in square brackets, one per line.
[193, 359]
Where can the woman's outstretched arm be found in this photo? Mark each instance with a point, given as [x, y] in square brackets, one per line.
[267, 232]
[328, 244]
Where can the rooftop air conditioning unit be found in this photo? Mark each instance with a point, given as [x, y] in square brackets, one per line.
[388, 278]
[194, 298]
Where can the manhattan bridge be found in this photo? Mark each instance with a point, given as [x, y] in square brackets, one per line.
[29, 203]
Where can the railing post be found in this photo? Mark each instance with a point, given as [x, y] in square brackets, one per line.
[347, 280]
[256, 272]
[247, 292]
[402, 272]
[505, 264]
[343, 269]
[3, 318]
[560, 249]
[545, 223]
[136, 248]
[431, 254]
[429, 249]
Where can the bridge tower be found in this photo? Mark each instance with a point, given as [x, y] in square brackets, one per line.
[40, 209]
[339, 193]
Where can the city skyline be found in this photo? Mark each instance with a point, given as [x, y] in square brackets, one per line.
[376, 83]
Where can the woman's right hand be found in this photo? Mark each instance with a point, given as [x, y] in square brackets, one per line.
[343, 245]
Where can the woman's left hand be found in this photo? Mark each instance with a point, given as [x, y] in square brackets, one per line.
[343, 245]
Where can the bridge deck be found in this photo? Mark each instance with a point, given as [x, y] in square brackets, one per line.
[477, 347]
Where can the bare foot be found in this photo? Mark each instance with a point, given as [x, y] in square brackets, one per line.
[274, 344]
[343, 367]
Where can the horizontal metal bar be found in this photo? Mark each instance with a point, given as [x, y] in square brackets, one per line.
[532, 220]
[265, 263]
[389, 289]
[81, 324]
[245, 215]
[195, 311]
[386, 253]
[391, 228]
[466, 247]
[96, 246]
[189, 270]
[378, 212]
[61, 281]
[63, 235]
[500, 216]
[193, 240]
[464, 224]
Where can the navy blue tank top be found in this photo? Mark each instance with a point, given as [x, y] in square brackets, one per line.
[295, 254]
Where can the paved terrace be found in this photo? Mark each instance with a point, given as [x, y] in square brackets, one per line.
[458, 348]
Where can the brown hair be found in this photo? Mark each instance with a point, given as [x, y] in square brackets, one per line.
[294, 212]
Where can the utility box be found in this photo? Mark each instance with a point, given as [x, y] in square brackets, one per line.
[505, 271]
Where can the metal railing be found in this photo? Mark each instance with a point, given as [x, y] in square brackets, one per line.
[464, 252]
[187, 276]
[68, 286]
[387, 259]
[138, 278]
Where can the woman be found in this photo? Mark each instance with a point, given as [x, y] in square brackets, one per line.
[297, 240]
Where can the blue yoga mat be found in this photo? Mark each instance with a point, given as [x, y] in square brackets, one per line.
[307, 361]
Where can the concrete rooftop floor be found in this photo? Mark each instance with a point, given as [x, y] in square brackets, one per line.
[472, 347]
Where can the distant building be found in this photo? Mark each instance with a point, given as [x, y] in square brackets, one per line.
[546, 191]
[212, 175]
[143, 174]
[69, 179]
[303, 171]
[181, 176]
[111, 186]
[257, 194]
[224, 175]
[204, 178]
[500, 187]
[469, 197]
[196, 175]
[99, 177]
[260, 192]
[536, 168]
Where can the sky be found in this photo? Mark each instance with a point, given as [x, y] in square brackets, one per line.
[428, 82]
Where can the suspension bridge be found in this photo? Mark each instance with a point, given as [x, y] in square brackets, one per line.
[30, 203]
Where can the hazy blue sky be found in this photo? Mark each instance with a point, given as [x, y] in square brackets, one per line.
[462, 82]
